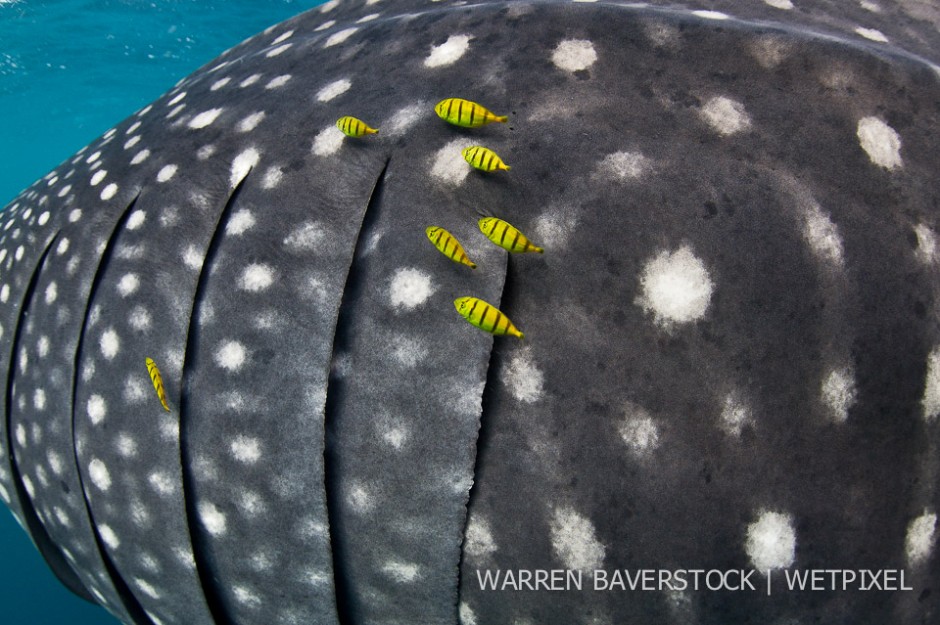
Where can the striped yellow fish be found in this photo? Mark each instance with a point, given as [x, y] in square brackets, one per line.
[157, 382]
[353, 127]
[506, 236]
[449, 246]
[465, 113]
[486, 317]
[483, 158]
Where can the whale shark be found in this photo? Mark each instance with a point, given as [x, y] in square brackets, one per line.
[722, 391]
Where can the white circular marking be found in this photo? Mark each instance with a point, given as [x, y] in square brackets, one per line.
[97, 409]
[328, 141]
[52, 293]
[278, 50]
[334, 89]
[251, 122]
[98, 472]
[240, 222]
[339, 37]
[212, 518]
[711, 15]
[136, 219]
[110, 344]
[250, 81]
[573, 55]
[771, 541]
[205, 118]
[75, 214]
[220, 83]
[880, 142]
[839, 393]
[246, 449]
[242, 164]
[166, 173]
[43, 218]
[132, 142]
[524, 379]
[278, 81]
[97, 177]
[109, 537]
[128, 284]
[574, 540]
[109, 191]
[921, 538]
[176, 100]
[256, 277]
[39, 399]
[231, 355]
[676, 287]
[725, 116]
[448, 52]
[784, 5]
[448, 164]
[639, 431]
[410, 288]
[872, 34]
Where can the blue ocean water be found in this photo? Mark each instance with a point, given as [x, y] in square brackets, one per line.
[69, 70]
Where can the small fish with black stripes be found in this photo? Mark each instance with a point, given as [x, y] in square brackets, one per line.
[486, 316]
[508, 237]
[355, 128]
[466, 114]
[157, 380]
[483, 158]
[449, 246]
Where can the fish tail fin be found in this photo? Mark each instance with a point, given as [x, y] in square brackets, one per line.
[472, 265]
[538, 249]
[501, 118]
[506, 167]
[372, 131]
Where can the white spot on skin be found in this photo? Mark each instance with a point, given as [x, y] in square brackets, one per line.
[524, 378]
[872, 34]
[334, 89]
[880, 142]
[784, 5]
[283, 37]
[246, 449]
[52, 292]
[554, 227]
[136, 220]
[278, 50]
[192, 258]
[402, 572]
[822, 235]
[241, 221]
[128, 285]
[140, 157]
[403, 119]
[147, 589]
[623, 166]
[98, 472]
[162, 483]
[448, 164]
[574, 55]
[448, 52]
[251, 122]
[479, 543]
[166, 173]
[272, 178]
[711, 15]
[212, 518]
[176, 100]
[921, 537]
[98, 177]
[206, 118]
[734, 416]
[43, 218]
[339, 37]
[409, 289]
[55, 462]
[126, 445]
[132, 142]
[574, 540]
[676, 288]
[97, 409]
[5, 293]
[246, 597]
[306, 238]
[243, 163]
[771, 541]
[220, 83]
[250, 81]
[407, 352]
[639, 431]
[231, 355]
[466, 615]
[359, 498]
[278, 82]
[256, 278]
[329, 6]
[328, 141]
[39, 399]
[839, 394]
[110, 344]
[931, 400]
[109, 191]
[725, 116]
[926, 244]
[325, 25]
[108, 536]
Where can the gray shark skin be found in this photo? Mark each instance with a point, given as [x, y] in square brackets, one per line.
[731, 357]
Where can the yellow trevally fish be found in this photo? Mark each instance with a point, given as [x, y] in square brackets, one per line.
[449, 246]
[483, 158]
[506, 236]
[353, 127]
[157, 382]
[465, 113]
[485, 316]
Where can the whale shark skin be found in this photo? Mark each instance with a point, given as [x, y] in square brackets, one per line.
[731, 358]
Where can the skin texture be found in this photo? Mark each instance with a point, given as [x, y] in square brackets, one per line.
[731, 347]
